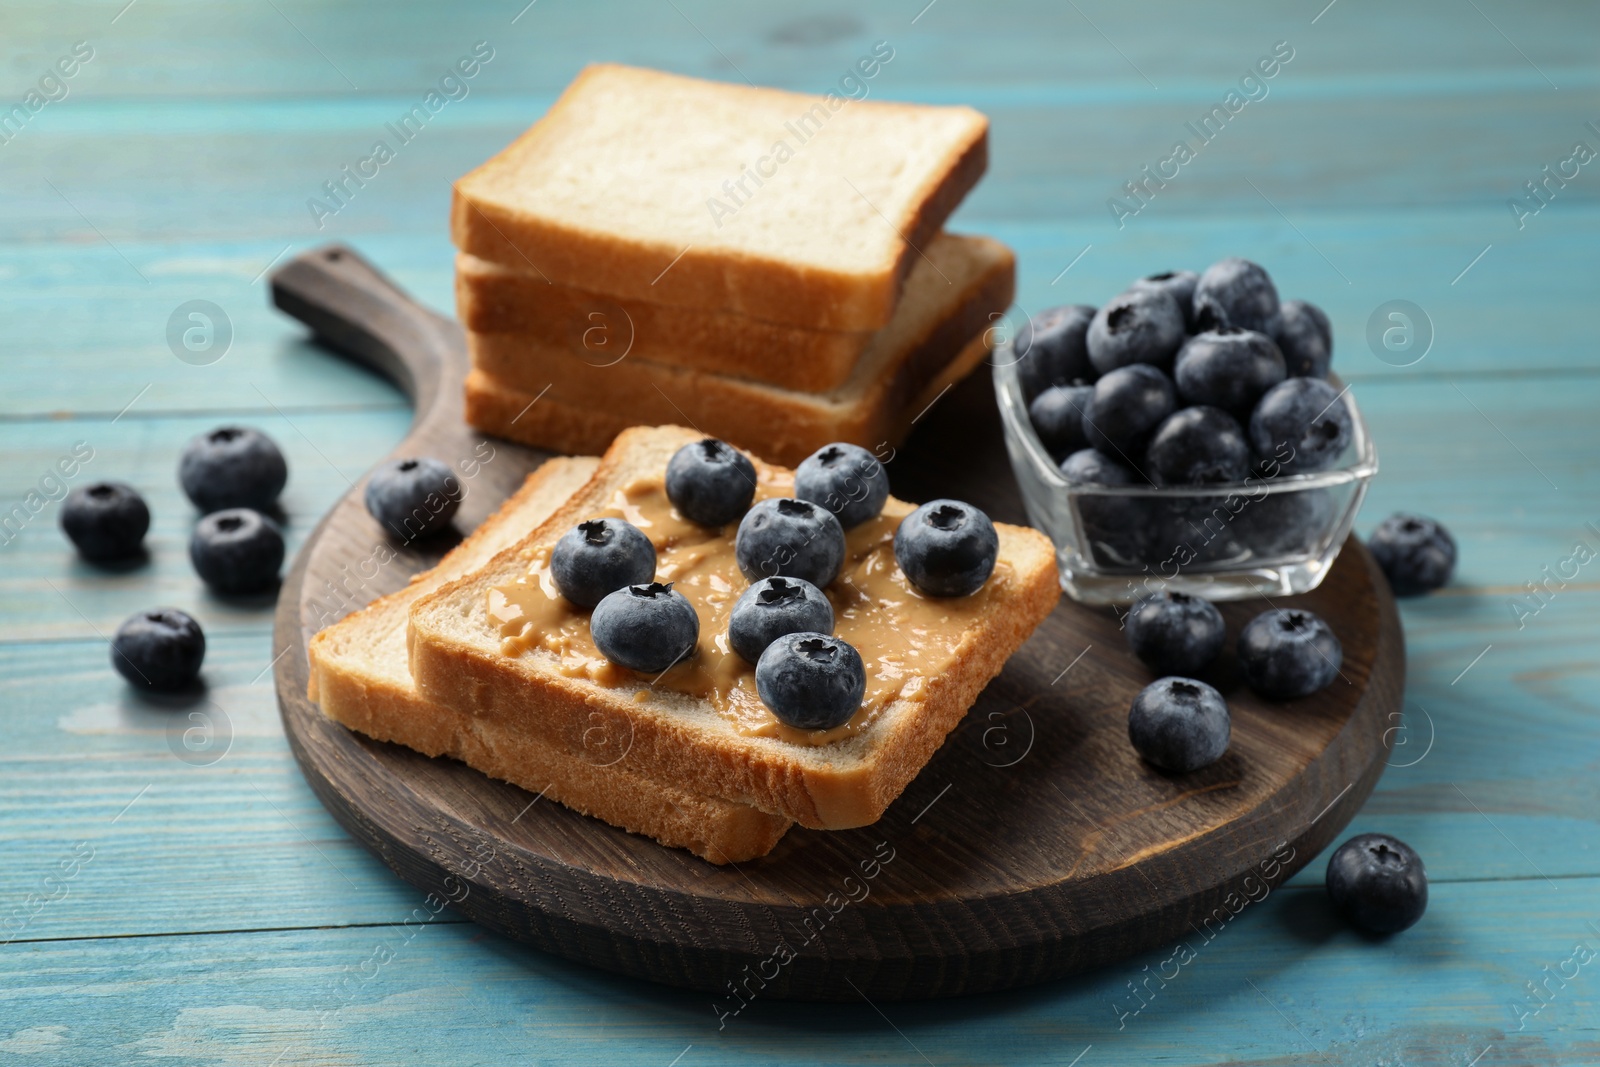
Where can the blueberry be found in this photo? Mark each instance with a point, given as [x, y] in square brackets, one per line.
[159, 649]
[1195, 530]
[1088, 466]
[1175, 633]
[1180, 283]
[1378, 882]
[1288, 653]
[1057, 416]
[1109, 522]
[413, 498]
[600, 556]
[1286, 524]
[946, 548]
[791, 538]
[1050, 349]
[1198, 446]
[773, 607]
[645, 627]
[1127, 406]
[107, 520]
[1179, 724]
[232, 467]
[237, 551]
[811, 681]
[1306, 339]
[846, 479]
[1143, 325]
[1302, 423]
[1417, 554]
[1229, 369]
[1236, 292]
[710, 482]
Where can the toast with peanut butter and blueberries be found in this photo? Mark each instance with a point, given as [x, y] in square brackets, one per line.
[779, 206]
[798, 641]
[939, 334]
[360, 677]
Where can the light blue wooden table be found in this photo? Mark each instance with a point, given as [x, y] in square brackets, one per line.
[185, 899]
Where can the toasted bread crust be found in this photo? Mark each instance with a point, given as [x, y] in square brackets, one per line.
[938, 342]
[491, 298]
[759, 286]
[544, 419]
[352, 690]
[714, 829]
[845, 784]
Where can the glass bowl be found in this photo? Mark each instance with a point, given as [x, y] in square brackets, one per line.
[1273, 536]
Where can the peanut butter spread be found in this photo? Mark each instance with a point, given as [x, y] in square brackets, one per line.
[903, 637]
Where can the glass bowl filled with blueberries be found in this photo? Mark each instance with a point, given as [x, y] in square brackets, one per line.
[1187, 435]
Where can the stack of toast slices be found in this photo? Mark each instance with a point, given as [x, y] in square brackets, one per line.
[765, 266]
[432, 667]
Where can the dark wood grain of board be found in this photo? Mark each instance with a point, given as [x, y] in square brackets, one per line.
[1034, 844]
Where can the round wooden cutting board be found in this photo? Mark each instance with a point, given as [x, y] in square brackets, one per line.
[1034, 844]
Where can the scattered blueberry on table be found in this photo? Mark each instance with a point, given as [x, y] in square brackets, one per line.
[646, 627]
[710, 482]
[772, 607]
[160, 649]
[232, 467]
[413, 497]
[1288, 653]
[1417, 554]
[237, 551]
[1378, 882]
[811, 681]
[1175, 633]
[107, 521]
[598, 557]
[946, 548]
[1179, 724]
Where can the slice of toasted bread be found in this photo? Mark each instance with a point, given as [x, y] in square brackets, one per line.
[780, 206]
[920, 683]
[492, 298]
[937, 337]
[360, 677]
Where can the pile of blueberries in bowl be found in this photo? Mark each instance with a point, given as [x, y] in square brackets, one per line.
[1187, 434]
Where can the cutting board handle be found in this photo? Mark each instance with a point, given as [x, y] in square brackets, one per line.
[357, 311]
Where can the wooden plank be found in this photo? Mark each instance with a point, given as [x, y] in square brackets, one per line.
[1284, 982]
[246, 168]
[1022, 44]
